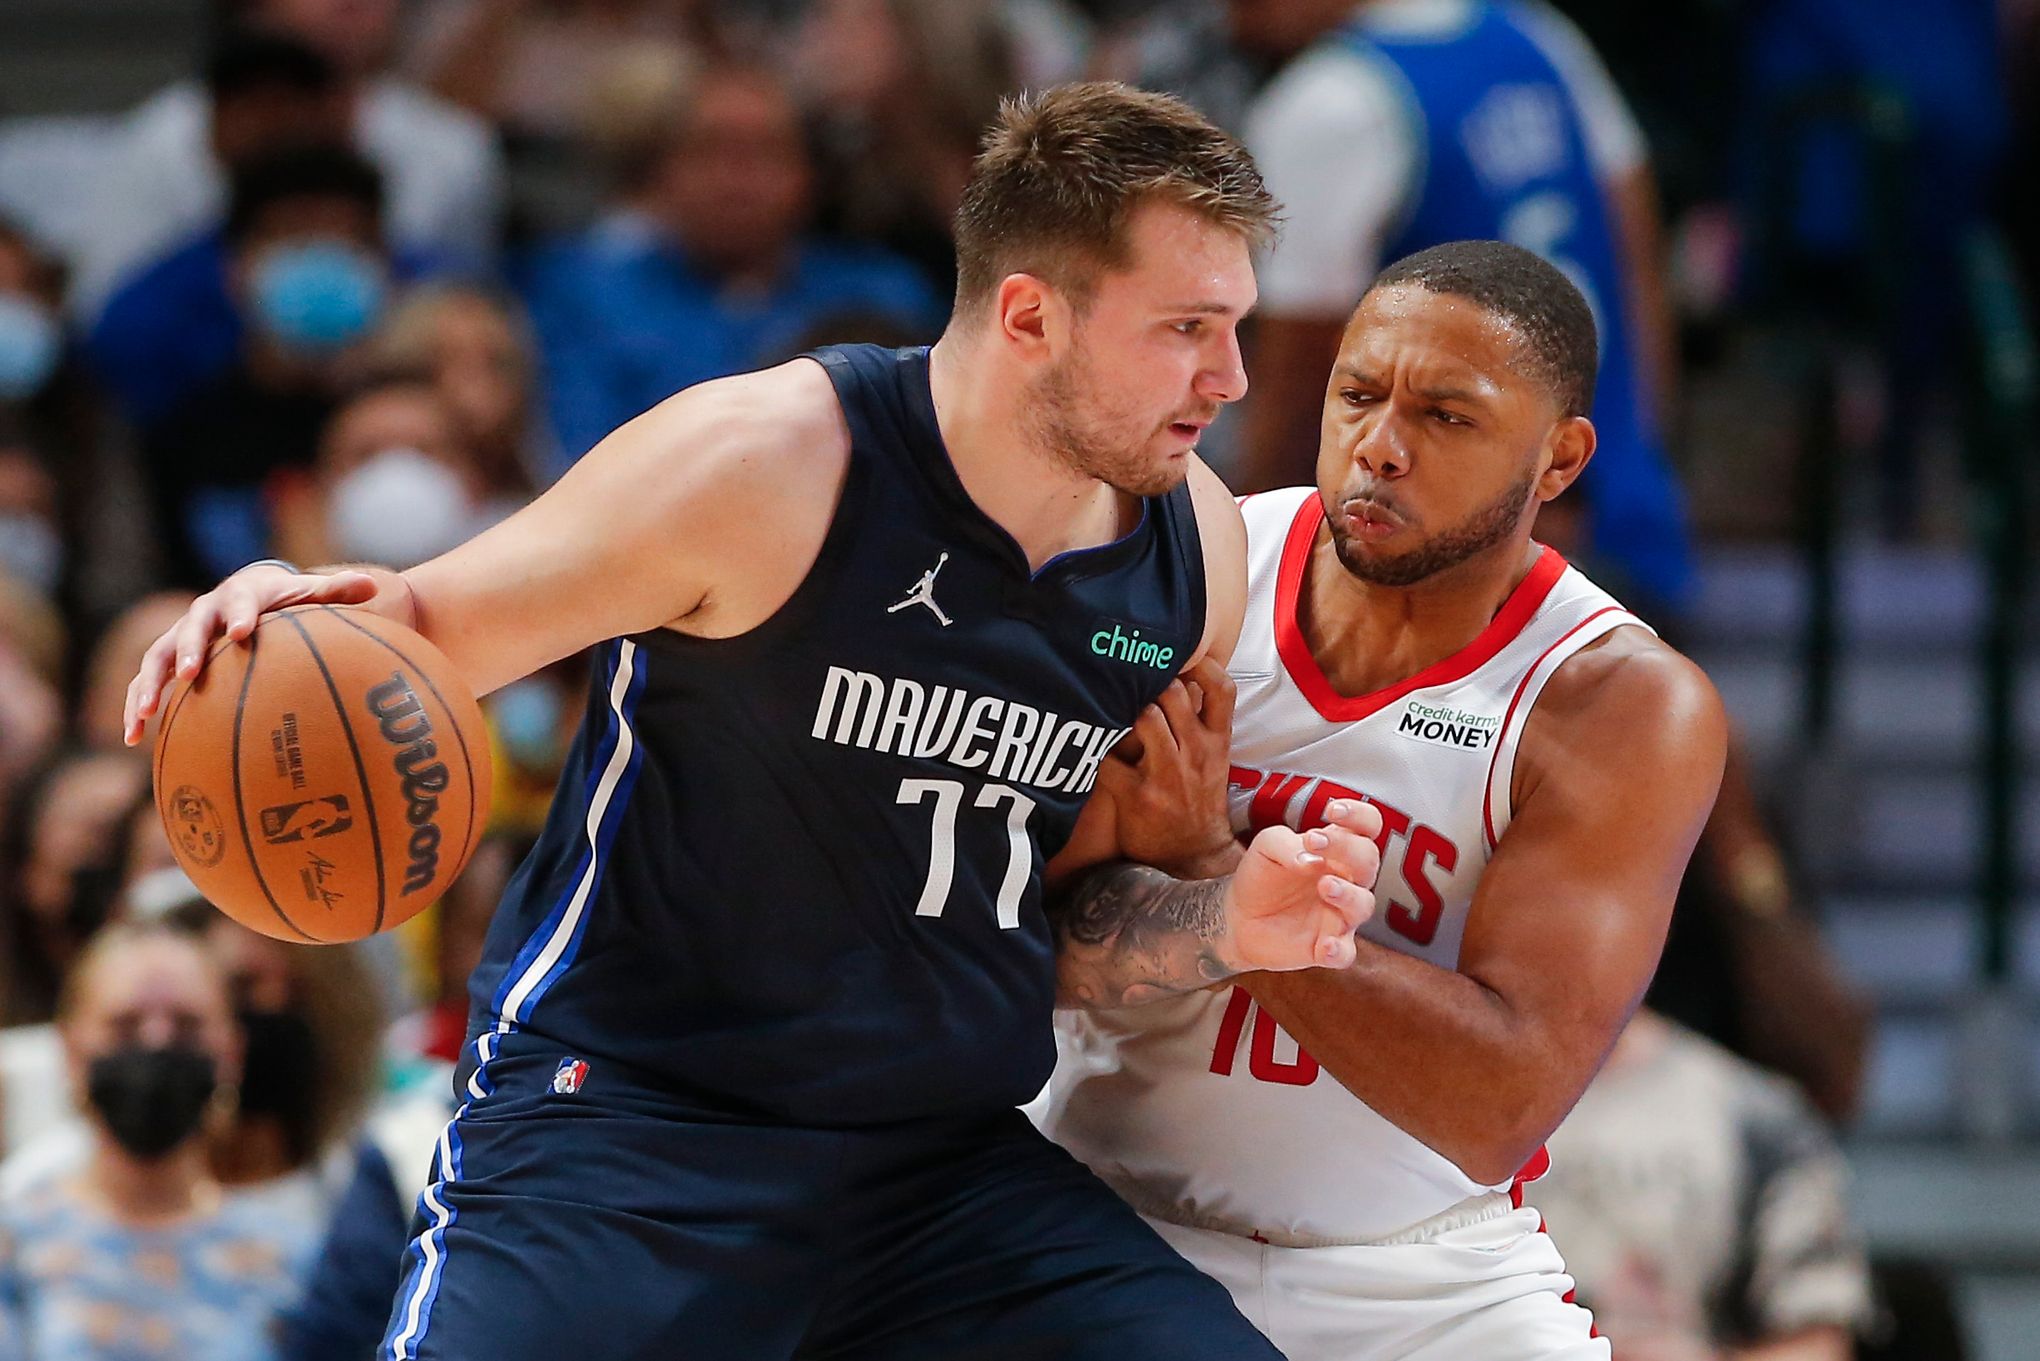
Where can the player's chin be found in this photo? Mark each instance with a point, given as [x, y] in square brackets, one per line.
[1161, 471]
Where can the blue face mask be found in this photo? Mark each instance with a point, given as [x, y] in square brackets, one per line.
[315, 297]
[527, 715]
[30, 345]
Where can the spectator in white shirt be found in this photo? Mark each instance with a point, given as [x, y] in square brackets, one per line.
[161, 180]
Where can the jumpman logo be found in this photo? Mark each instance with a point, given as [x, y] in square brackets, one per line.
[924, 594]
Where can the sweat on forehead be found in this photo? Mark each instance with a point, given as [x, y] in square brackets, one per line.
[1550, 318]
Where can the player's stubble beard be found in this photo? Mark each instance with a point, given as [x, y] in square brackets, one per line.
[1093, 449]
[1485, 527]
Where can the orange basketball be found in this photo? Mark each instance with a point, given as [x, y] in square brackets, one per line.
[326, 779]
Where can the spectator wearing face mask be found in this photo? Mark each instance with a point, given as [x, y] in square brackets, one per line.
[92, 553]
[165, 178]
[395, 481]
[706, 265]
[312, 1023]
[32, 547]
[309, 276]
[32, 347]
[166, 324]
[140, 1253]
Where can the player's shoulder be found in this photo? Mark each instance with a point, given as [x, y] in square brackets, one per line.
[1218, 510]
[767, 427]
[1634, 695]
[1222, 537]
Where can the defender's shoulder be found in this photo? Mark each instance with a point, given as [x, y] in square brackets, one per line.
[1635, 688]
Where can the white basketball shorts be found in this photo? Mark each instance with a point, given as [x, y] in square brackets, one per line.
[1493, 1289]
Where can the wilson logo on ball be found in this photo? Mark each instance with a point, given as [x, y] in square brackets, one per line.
[406, 726]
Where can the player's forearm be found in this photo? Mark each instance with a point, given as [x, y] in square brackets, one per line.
[1128, 934]
[1441, 1055]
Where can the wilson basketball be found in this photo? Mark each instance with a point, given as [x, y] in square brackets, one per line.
[325, 780]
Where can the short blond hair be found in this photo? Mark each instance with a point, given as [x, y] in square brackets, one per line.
[1062, 171]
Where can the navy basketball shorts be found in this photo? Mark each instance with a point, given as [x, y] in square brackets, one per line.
[598, 1223]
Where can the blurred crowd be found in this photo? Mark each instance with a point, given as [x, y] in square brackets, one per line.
[373, 273]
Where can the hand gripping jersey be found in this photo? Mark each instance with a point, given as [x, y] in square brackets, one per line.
[1202, 1110]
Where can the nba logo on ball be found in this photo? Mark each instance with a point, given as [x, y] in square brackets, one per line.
[568, 1078]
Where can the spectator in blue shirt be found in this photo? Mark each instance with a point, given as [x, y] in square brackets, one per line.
[309, 274]
[141, 1255]
[171, 326]
[705, 267]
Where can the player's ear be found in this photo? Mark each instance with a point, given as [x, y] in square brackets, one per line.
[1567, 450]
[1024, 308]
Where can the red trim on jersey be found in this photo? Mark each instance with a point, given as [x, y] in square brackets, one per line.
[1539, 1164]
[1487, 793]
[1517, 611]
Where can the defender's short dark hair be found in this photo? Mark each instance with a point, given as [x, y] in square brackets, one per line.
[1061, 172]
[1532, 295]
[315, 170]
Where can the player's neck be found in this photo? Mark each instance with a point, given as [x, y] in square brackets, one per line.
[1047, 507]
[1368, 637]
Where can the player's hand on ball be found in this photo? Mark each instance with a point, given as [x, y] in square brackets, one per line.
[1296, 899]
[229, 609]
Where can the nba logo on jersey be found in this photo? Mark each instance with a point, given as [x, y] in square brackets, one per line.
[568, 1078]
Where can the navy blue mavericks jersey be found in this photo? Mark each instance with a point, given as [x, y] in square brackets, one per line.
[796, 874]
[1505, 158]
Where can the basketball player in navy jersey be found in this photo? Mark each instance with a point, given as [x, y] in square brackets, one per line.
[753, 1018]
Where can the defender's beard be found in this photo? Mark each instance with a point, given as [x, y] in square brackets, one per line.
[1478, 532]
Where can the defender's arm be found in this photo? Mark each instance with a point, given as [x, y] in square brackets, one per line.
[1618, 768]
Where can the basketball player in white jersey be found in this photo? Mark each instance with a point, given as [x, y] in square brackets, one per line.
[1345, 1150]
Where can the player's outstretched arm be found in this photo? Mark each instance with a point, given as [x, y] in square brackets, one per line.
[1615, 776]
[1128, 934]
[659, 522]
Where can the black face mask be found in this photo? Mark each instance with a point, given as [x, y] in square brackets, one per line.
[280, 1075]
[151, 1099]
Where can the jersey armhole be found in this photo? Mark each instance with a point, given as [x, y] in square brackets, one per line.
[1497, 806]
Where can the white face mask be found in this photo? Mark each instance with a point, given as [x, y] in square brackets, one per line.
[398, 509]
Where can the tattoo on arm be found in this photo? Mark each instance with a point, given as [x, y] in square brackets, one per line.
[1127, 934]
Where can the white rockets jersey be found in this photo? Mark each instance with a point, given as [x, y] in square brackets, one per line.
[1202, 1109]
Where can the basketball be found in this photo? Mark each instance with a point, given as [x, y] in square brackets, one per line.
[326, 779]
